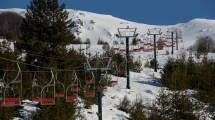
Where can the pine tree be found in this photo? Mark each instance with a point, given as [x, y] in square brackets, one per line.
[45, 30]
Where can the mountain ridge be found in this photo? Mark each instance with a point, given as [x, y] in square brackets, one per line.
[96, 26]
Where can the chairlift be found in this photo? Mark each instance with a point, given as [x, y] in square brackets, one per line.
[115, 48]
[115, 71]
[179, 37]
[13, 90]
[130, 60]
[89, 90]
[59, 87]
[104, 82]
[136, 49]
[122, 71]
[2, 84]
[36, 89]
[73, 89]
[106, 59]
[121, 50]
[48, 92]
[103, 88]
[105, 78]
[141, 48]
[168, 37]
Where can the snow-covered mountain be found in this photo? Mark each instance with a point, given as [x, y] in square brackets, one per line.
[98, 26]
[145, 84]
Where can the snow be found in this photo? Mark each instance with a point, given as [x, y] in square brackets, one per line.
[146, 84]
[29, 107]
[95, 26]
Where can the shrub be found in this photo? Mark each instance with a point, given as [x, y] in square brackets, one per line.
[136, 66]
[87, 41]
[147, 64]
[136, 111]
[59, 111]
[203, 45]
[124, 104]
[7, 113]
[174, 106]
[101, 42]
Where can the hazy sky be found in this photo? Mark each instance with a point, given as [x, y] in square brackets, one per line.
[159, 12]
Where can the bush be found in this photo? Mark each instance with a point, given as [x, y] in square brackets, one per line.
[174, 75]
[7, 113]
[124, 104]
[136, 66]
[147, 64]
[87, 41]
[101, 42]
[59, 111]
[203, 45]
[106, 47]
[136, 111]
[174, 106]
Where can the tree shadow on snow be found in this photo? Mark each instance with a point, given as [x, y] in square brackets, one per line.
[153, 82]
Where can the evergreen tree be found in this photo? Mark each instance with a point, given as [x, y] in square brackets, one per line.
[45, 30]
[174, 106]
[137, 111]
[134, 41]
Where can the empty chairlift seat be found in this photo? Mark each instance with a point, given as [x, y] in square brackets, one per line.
[59, 87]
[89, 94]
[73, 89]
[11, 102]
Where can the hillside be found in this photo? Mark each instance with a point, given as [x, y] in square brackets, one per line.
[95, 26]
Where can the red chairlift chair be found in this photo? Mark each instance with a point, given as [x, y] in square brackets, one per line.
[179, 37]
[115, 48]
[136, 49]
[13, 90]
[107, 59]
[59, 88]
[130, 60]
[116, 73]
[89, 87]
[71, 98]
[121, 50]
[141, 48]
[73, 89]
[88, 94]
[2, 85]
[36, 90]
[103, 88]
[104, 81]
[48, 92]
